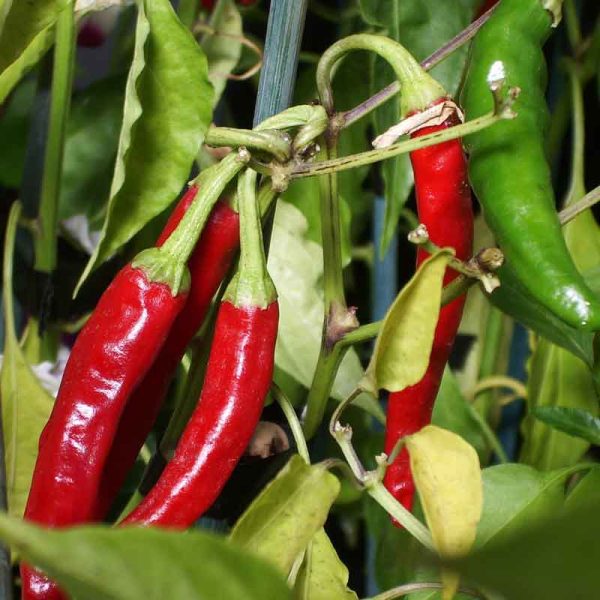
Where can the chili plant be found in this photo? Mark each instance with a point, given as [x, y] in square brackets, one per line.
[300, 299]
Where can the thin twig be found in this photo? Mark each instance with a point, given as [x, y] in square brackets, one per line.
[569, 213]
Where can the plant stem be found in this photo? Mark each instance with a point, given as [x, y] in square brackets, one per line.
[62, 80]
[282, 45]
[358, 112]
[572, 24]
[378, 492]
[293, 422]
[320, 389]
[372, 156]
[272, 142]
[569, 213]
[488, 433]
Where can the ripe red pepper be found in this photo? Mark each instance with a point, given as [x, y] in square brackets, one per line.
[208, 265]
[110, 356]
[444, 207]
[238, 377]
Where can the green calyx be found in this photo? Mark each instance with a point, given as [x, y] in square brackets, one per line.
[159, 266]
[418, 90]
[251, 285]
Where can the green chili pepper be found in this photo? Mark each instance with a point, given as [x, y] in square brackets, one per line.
[508, 168]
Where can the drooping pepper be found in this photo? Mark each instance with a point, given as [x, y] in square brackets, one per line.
[208, 265]
[507, 165]
[444, 207]
[111, 355]
[238, 377]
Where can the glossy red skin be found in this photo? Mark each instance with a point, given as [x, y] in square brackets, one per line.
[444, 206]
[208, 265]
[485, 6]
[238, 376]
[111, 354]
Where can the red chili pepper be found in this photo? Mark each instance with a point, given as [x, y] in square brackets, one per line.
[444, 207]
[208, 265]
[110, 356]
[238, 376]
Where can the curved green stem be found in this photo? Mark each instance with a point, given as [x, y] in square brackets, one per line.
[62, 81]
[293, 422]
[409, 588]
[211, 182]
[372, 156]
[419, 89]
[271, 142]
[364, 108]
[572, 24]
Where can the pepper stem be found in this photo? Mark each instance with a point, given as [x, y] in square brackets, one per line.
[251, 285]
[418, 89]
[168, 264]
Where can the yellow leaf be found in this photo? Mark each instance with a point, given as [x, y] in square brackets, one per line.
[448, 478]
[404, 343]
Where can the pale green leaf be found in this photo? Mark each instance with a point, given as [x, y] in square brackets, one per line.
[135, 563]
[167, 111]
[283, 519]
[222, 46]
[403, 346]
[323, 575]
[448, 478]
[296, 266]
[26, 405]
[556, 379]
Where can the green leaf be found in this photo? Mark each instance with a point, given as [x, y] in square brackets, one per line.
[554, 558]
[451, 411]
[25, 61]
[14, 126]
[512, 299]
[403, 346]
[223, 48]
[421, 26]
[26, 405]
[23, 23]
[572, 421]
[323, 575]
[586, 490]
[134, 563]
[296, 266]
[515, 496]
[285, 516]
[167, 111]
[556, 379]
[90, 148]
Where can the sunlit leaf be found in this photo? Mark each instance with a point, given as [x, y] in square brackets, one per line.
[283, 519]
[167, 111]
[403, 346]
[102, 563]
[323, 575]
[26, 405]
[448, 478]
